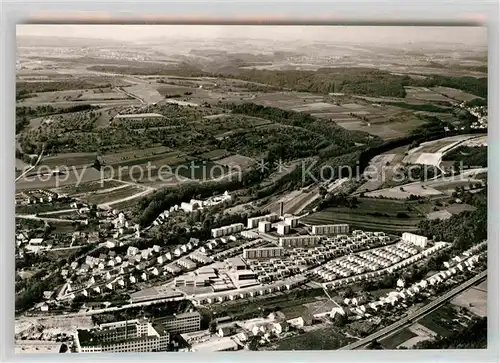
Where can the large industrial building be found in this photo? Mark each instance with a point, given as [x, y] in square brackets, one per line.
[263, 253]
[254, 222]
[227, 230]
[180, 323]
[123, 336]
[415, 239]
[298, 241]
[330, 229]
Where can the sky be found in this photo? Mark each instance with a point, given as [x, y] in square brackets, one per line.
[357, 34]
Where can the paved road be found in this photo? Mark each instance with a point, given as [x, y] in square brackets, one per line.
[31, 167]
[416, 315]
[47, 219]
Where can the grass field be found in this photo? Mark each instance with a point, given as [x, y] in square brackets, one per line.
[423, 93]
[106, 197]
[216, 154]
[321, 339]
[89, 187]
[400, 337]
[455, 93]
[235, 161]
[440, 321]
[69, 159]
[372, 215]
[117, 158]
[474, 300]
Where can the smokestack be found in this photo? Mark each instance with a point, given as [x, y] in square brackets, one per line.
[281, 209]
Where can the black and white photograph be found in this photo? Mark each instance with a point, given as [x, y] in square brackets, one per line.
[214, 188]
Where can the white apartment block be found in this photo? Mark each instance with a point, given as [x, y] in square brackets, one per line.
[415, 239]
[263, 253]
[264, 226]
[292, 221]
[254, 222]
[330, 229]
[227, 230]
[298, 241]
[283, 228]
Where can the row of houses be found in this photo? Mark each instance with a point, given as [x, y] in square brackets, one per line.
[37, 196]
[282, 285]
[396, 297]
[343, 274]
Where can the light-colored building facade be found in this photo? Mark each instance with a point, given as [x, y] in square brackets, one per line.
[282, 228]
[330, 229]
[298, 241]
[227, 230]
[254, 222]
[263, 253]
[417, 240]
[124, 336]
[182, 323]
[264, 226]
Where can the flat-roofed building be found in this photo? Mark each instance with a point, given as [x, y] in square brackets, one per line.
[417, 240]
[227, 230]
[298, 241]
[236, 263]
[181, 323]
[264, 226]
[125, 336]
[254, 222]
[263, 253]
[330, 229]
[292, 221]
[282, 228]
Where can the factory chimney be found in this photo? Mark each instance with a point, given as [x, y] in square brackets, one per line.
[281, 209]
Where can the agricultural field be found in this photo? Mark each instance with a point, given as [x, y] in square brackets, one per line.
[69, 159]
[371, 215]
[103, 197]
[474, 300]
[125, 156]
[89, 187]
[385, 121]
[236, 161]
[454, 93]
[145, 91]
[35, 180]
[443, 321]
[215, 155]
[395, 340]
[82, 96]
[426, 94]
[321, 339]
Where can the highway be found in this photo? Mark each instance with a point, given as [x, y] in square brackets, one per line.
[416, 315]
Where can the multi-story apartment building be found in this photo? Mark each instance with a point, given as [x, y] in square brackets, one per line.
[227, 230]
[263, 253]
[330, 229]
[254, 222]
[415, 239]
[298, 241]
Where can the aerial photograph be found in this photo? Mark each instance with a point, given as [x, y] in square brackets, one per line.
[202, 188]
